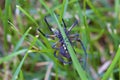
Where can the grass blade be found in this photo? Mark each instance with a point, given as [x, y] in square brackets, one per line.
[28, 15]
[64, 7]
[21, 63]
[5, 22]
[72, 53]
[6, 58]
[117, 5]
[113, 64]
[22, 39]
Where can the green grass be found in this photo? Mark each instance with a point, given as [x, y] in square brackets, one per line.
[28, 57]
[23, 60]
[110, 69]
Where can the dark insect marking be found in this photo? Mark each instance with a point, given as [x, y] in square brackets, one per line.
[64, 51]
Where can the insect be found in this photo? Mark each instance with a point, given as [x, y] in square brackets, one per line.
[62, 48]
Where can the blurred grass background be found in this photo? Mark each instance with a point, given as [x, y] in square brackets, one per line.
[25, 54]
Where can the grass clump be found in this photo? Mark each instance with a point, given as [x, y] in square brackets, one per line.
[27, 57]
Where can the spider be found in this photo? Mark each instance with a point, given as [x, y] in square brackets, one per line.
[62, 48]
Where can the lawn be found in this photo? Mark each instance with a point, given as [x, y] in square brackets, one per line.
[59, 39]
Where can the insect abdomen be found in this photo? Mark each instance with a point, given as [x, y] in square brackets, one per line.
[64, 51]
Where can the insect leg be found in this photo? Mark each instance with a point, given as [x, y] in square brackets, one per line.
[54, 46]
[64, 23]
[73, 25]
[47, 24]
[85, 53]
[41, 32]
[45, 35]
[60, 59]
[76, 38]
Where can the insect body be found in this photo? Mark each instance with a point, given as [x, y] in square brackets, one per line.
[62, 48]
